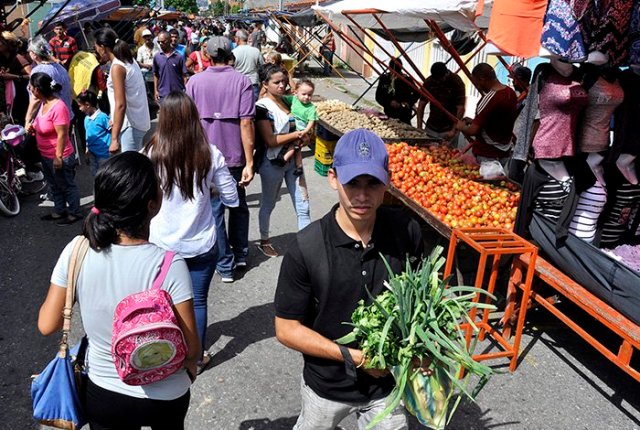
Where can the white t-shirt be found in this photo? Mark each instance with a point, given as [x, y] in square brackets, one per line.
[248, 60]
[137, 113]
[188, 226]
[107, 277]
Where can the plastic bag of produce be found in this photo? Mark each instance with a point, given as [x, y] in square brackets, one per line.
[491, 169]
[427, 397]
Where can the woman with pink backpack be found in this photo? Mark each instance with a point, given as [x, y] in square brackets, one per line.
[132, 381]
[190, 170]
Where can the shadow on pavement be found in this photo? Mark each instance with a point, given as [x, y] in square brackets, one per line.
[251, 326]
[256, 257]
[267, 424]
[576, 353]
[468, 416]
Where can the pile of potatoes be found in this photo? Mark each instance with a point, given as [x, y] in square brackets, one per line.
[344, 117]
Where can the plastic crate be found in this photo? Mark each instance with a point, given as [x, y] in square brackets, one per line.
[325, 134]
[321, 169]
[324, 150]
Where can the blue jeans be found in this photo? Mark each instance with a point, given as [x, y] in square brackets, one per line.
[62, 185]
[327, 61]
[201, 270]
[131, 139]
[234, 246]
[256, 91]
[96, 162]
[271, 177]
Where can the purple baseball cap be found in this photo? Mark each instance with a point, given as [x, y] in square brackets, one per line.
[361, 152]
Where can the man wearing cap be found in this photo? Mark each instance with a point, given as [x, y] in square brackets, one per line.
[224, 98]
[328, 269]
[169, 68]
[248, 60]
[145, 55]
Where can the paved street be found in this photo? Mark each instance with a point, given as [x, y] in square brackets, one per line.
[561, 382]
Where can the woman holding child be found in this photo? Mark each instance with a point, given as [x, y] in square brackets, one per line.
[276, 129]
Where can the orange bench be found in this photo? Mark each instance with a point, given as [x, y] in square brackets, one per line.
[627, 331]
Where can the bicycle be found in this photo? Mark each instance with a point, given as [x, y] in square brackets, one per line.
[11, 170]
[14, 180]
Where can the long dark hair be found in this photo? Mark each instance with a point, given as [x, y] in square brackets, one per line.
[109, 39]
[266, 71]
[124, 186]
[43, 83]
[180, 150]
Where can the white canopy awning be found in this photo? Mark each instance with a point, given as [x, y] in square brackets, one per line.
[396, 14]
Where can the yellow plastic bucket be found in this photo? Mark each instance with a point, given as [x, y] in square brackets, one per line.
[324, 150]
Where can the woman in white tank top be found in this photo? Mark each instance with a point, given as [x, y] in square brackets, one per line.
[127, 93]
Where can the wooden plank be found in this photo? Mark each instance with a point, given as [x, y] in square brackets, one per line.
[423, 213]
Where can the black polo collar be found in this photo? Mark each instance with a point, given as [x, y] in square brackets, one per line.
[339, 238]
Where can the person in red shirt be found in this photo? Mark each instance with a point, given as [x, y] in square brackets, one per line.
[64, 47]
[491, 130]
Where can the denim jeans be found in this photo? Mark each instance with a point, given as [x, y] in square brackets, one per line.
[96, 162]
[131, 139]
[62, 185]
[327, 61]
[201, 269]
[271, 177]
[256, 91]
[319, 413]
[233, 243]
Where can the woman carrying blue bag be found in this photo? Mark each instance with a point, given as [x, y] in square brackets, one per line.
[121, 262]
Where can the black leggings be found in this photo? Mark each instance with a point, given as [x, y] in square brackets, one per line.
[108, 410]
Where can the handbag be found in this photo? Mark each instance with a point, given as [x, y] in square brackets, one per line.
[54, 392]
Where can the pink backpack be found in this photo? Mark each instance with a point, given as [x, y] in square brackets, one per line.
[147, 343]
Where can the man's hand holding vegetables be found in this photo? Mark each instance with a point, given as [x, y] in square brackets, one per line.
[334, 264]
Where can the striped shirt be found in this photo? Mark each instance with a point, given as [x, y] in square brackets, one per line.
[626, 203]
[590, 205]
[551, 199]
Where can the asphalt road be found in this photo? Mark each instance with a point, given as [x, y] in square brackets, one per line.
[561, 382]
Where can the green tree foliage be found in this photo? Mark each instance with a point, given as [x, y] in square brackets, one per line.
[218, 8]
[188, 6]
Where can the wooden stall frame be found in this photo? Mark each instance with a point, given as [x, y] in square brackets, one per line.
[495, 243]
[627, 331]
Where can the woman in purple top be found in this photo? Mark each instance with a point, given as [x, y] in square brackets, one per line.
[41, 54]
[276, 127]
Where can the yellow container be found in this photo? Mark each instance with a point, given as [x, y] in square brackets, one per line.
[324, 150]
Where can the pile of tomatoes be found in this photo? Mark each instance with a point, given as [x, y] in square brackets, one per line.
[440, 182]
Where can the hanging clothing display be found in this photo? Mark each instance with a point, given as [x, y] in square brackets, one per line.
[626, 134]
[625, 202]
[560, 103]
[605, 27]
[604, 97]
[634, 34]
[561, 32]
[591, 202]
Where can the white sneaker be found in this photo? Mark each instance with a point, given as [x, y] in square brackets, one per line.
[226, 279]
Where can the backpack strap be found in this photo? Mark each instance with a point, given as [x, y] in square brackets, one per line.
[164, 269]
[314, 254]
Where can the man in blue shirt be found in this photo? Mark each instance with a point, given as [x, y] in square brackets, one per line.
[169, 68]
[175, 43]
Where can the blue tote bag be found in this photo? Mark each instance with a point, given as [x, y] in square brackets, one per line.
[54, 391]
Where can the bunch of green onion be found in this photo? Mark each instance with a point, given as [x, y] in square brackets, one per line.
[418, 320]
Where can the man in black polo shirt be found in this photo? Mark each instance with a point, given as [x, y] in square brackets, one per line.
[327, 270]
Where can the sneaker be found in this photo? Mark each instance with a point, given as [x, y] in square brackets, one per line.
[268, 250]
[33, 177]
[241, 264]
[227, 279]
